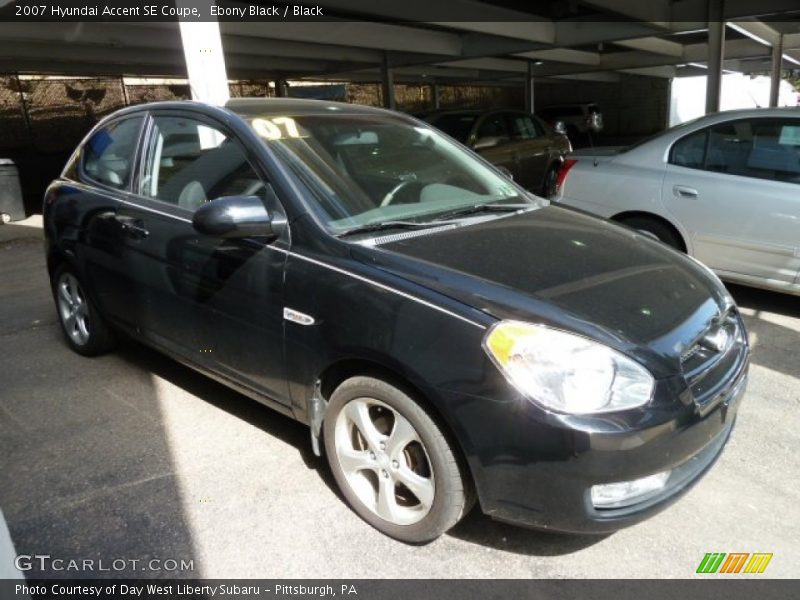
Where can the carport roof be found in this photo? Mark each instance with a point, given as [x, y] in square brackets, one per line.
[566, 39]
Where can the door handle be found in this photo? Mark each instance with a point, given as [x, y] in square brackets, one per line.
[132, 227]
[682, 191]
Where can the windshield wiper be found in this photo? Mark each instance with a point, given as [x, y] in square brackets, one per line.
[383, 226]
[483, 207]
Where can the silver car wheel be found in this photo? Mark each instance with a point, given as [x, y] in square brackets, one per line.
[73, 309]
[384, 461]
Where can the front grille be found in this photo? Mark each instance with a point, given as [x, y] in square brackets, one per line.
[715, 362]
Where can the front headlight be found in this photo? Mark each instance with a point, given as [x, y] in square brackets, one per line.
[567, 373]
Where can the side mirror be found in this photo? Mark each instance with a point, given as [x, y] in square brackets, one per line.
[559, 127]
[236, 217]
[487, 142]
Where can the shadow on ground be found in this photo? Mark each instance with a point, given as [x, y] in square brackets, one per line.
[475, 528]
[765, 300]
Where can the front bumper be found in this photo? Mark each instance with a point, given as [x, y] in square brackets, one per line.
[537, 469]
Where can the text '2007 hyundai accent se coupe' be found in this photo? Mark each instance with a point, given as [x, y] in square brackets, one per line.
[448, 337]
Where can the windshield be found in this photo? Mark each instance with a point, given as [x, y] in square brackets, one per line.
[370, 169]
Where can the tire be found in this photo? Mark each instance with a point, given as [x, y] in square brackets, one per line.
[549, 182]
[655, 228]
[84, 329]
[377, 440]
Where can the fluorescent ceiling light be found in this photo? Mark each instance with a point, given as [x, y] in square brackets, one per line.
[752, 36]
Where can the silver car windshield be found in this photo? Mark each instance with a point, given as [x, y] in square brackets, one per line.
[362, 170]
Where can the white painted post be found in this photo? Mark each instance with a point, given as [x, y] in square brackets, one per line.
[205, 60]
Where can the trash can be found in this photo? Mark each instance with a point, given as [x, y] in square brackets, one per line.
[11, 205]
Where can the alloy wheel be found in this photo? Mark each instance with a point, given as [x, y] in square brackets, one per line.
[384, 461]
[73, 309]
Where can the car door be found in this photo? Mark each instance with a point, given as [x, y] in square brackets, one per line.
[215, 301]
[735, 187]
[532, 149]
[492, 140]
[104, 169]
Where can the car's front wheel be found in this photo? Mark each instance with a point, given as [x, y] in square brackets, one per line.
[85, 330]
[549, 182]
[393, 463]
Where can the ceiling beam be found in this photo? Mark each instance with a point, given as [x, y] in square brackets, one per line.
[521, 29]
[658, 12]
[665, 71]
[615, 61]
[599, 77]
[359, 34]
[490, 64]
[567, 55]
[654, 45]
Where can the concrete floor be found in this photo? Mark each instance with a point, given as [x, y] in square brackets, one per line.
[132, 456]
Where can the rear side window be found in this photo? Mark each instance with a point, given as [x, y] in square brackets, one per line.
[108, 156]
[523, 127]
[690, 151]
[189, 163]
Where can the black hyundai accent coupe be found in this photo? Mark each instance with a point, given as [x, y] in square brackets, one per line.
[447, 336]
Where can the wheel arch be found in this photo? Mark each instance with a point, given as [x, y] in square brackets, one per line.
[340, 371]
[623, 216]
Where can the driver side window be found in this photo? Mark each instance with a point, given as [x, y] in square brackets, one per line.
[189, 163]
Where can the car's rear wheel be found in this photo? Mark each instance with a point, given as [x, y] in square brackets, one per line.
[85, 330]
[393, 463]
[657, 230]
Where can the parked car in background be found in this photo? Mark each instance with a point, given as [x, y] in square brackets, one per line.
[518, 142]
[578, 119]
[724, 188]
[446, 335]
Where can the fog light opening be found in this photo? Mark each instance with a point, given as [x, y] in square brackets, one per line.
[628, 493]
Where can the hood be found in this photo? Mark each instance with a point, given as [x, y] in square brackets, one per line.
[569, 270]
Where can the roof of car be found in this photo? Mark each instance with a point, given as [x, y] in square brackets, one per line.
[753, 112]
[248, 107]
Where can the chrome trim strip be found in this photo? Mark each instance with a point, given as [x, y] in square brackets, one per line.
[117, 197]
[156, 211]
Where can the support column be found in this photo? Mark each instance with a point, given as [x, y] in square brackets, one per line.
[281, 88]
[775, 75]
[716, 53]
[205, 61]
[24, 105]
[387, 84]
[529, 105]
[436, 97]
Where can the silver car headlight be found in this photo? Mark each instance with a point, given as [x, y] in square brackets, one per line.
[567, 373]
